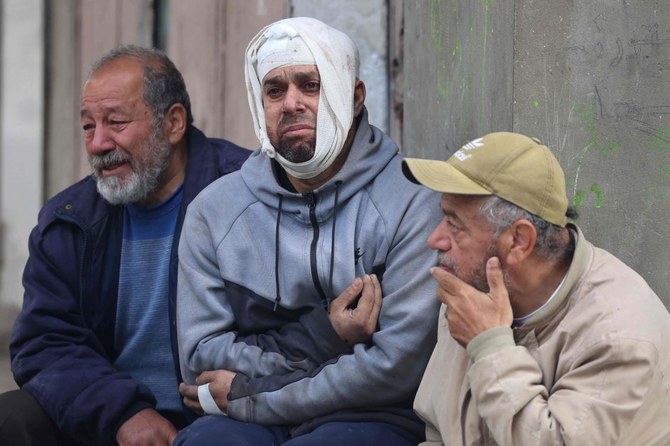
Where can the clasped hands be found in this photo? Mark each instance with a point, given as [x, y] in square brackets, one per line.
[471, 312]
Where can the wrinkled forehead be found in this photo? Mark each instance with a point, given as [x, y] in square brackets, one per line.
[298, 74]
[120, 80]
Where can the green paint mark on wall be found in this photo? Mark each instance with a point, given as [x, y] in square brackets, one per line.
[588, 115]
[661, 139]
[457, 52]
[484, 71]
[598, 191]
[580, 196]
[578, 201]
[436, 24]
[610, 148]
[665, 171]
[536, 104]
[437, 37]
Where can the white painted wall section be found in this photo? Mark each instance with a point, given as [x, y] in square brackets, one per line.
[21, 140]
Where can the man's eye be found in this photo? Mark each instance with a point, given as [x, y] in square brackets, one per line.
[312, 86]
[273, 92]
[452, 227]
[87, 127]
[117, 123]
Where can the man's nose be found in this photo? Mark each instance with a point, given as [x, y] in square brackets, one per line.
[439, 239]
[293, 100]
[100, 142]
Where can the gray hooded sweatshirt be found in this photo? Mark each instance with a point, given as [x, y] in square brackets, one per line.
[259, 265]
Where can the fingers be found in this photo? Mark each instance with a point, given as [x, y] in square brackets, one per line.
[188, 391]
[355, 312]
[498, 291]
[495, 279]
[376, 300]
[448, 284]
[190, 394]
[371, 291]
[446, 280]
[194, 405]
[348, 296]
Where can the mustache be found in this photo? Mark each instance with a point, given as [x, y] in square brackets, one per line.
[288, 120]
[110, 159]
[444, 260]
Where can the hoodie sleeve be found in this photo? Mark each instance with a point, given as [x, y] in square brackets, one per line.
[312, 339]
[204, 302]
[384, 373]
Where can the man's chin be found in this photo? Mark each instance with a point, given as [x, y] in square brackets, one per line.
[117, 191]
[296, 152]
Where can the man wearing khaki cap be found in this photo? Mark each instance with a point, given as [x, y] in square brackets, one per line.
[543, 338]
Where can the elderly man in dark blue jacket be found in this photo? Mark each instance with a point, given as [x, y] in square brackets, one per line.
[93, 349]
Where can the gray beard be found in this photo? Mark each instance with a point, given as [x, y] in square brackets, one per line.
[146, 177]
[478, 280]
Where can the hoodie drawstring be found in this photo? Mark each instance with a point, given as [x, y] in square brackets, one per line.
[332, 246]
[277, 295]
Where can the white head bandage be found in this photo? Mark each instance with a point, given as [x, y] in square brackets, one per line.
[283, 47]
[306, 41]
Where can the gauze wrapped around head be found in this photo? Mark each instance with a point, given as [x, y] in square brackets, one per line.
[306, 41]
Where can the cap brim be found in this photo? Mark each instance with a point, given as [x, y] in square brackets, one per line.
[441, 177]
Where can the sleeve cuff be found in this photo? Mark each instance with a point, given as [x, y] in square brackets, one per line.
[491, 341]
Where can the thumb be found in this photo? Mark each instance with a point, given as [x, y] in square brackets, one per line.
[495, 279]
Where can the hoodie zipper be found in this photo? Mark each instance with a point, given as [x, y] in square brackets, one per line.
[311, 204]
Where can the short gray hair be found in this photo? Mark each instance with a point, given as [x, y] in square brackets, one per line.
[550, 244]
[163, 83]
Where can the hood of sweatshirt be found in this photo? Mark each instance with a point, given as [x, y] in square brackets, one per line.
[371, 151]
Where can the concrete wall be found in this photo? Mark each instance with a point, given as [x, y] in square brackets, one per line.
[591, 79]
[207, 41]
[366, 22]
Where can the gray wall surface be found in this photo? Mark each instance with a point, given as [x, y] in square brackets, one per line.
[366, 23]
[590, 79]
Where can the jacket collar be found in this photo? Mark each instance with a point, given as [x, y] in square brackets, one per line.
[558, 305]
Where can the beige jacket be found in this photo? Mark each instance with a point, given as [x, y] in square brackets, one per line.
[591, 368]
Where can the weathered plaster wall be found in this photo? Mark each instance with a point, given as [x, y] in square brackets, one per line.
[366, 23]
[591, 79]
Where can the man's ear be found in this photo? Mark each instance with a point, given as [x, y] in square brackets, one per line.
[175, 123]
[519, 240]
[359, 97]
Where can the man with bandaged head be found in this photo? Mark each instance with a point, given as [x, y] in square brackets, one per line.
[302, 302]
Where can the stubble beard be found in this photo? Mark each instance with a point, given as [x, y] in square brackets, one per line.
[478, 276]
[295, 150]
[147, 172]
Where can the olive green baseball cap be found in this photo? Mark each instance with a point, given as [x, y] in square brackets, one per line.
[511, 166]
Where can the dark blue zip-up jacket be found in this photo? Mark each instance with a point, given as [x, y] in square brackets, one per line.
[62, 344]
